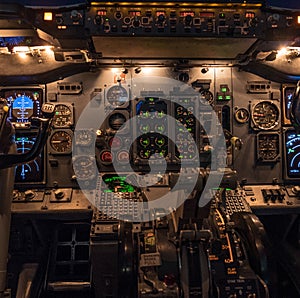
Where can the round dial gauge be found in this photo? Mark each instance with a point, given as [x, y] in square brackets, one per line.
[61, 142]
[117, 95]
[241, 115]
[84, 137]
[116, 121]
[268, 147]
[265, 115]
[267, 150]
[84, 167]
[63, 116]
[206, 97]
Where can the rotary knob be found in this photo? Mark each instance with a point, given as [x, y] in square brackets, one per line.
[161, 19]
[29, 195]
[59, 194]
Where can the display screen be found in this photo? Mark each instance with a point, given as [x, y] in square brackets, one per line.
[34, 170]
[292, 147]
[288, 94]
[24, 103]
[115, 183]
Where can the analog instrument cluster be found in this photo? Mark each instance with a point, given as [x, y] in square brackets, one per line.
[151, 128]
[114, 137]
[185, 130]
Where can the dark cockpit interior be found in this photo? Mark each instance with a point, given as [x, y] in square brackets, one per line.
[149, 149]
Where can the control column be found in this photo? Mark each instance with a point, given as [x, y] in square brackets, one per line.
[6, 188]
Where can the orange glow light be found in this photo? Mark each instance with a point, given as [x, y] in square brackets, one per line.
[48, 16]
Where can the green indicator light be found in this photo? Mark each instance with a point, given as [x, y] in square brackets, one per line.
[151, 99]
[224, 89]
[220, 97]
[228, 97]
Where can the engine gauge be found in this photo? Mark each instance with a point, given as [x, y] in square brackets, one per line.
[61, 142]
[84, 167]
[292, 150]
[116, 121]
[265, 115]
[84, 137]
[63, 116]
[117, 96]
[267, 147]
[241, 115]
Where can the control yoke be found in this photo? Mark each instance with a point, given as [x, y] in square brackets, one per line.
[295, 108]
[43, 125]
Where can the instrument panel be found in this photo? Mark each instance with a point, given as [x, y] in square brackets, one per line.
[25, 103]
[139, 20]
[292, 151]
[34, 171]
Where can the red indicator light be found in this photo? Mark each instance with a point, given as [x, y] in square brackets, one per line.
[101, 12]
[187, 13]
[250, 15]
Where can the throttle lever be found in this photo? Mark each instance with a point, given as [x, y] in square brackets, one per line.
[44, 125]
